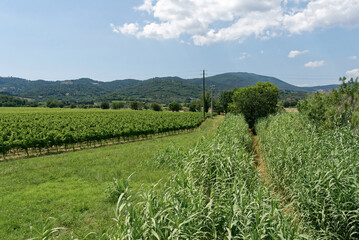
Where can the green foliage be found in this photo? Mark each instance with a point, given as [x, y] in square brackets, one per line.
[336, 108]
[73, 105]
[156, 107]
[135, 105]
[256, 101]
[70, 187]
[117, 105]
[215, 194]
[52, 103]
[207, 101]
[23, 131]
[105, 105]
[9, 101]
[115, 189]
[225, 99]
[162, 90]
[46, 231]
[175, 106]
[316, 169]
[195, 106]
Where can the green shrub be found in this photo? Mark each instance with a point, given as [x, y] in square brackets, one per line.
[336, 108]
[175, 106]
[256, 101]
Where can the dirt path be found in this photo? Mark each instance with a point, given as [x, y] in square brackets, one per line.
[258, 160]
[264, 175]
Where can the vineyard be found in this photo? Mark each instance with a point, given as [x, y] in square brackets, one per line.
[34, 132]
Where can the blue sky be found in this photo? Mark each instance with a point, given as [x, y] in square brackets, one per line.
[302, 42]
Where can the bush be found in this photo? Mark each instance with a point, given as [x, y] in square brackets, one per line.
[156, 107]
[256, 101]
[73, 105]
[336, 108]
[52, 103]
[225, 99]
[175, 106]
[135, 105]
[105, 105]
[117, 105]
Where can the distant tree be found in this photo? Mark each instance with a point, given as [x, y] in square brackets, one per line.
[117, 105]
[217, 107]
[145, 106]
[105, 105]
[61, 104]
[135, 105]
[207, 102]
[175, 106]
[73, 105]
[52, 103]
[156, 107]
[224, 100]
[193, 106]
[256, 101]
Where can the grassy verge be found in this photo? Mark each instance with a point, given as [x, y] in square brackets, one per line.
[71, 186]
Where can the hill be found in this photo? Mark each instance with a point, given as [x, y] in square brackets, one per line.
[161, 90]
[228, 81]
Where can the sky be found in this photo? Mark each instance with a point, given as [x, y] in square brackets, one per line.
[302, 42]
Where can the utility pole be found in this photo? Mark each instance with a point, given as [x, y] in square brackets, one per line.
[212, 87]
[204, 95]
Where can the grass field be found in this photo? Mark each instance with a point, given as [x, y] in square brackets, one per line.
[71, 186]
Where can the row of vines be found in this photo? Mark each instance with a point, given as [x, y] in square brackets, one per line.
[215, 194]
[45, 130]
[317, 169]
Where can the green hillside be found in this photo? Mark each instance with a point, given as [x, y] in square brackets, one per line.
[162, 90]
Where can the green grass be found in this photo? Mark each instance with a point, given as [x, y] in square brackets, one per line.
[71, 186]
[317, 170]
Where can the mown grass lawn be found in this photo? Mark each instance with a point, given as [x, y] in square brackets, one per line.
[71, 186]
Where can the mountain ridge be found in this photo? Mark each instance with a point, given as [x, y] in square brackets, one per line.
[160, 89]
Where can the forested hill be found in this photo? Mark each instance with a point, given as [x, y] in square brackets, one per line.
[162, 90]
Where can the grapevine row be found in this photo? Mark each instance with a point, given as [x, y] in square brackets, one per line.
[25, 131]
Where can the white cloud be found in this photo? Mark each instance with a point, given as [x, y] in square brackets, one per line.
[354, 73]
[294, 53]
[353, 57]
[314, 64]
[211, 21]
[244, 55]
[146, 6]
[127, 28]
[323, 14]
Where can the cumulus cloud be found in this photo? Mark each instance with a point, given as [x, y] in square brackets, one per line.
[353, 57]
[294, 53]
[211, 21]
[354, 73]
[314, 64]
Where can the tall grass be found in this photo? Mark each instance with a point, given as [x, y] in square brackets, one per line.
[215, 194]
[317, 169]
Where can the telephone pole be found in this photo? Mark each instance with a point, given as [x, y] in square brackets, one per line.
[212, 87]
[204, 95]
